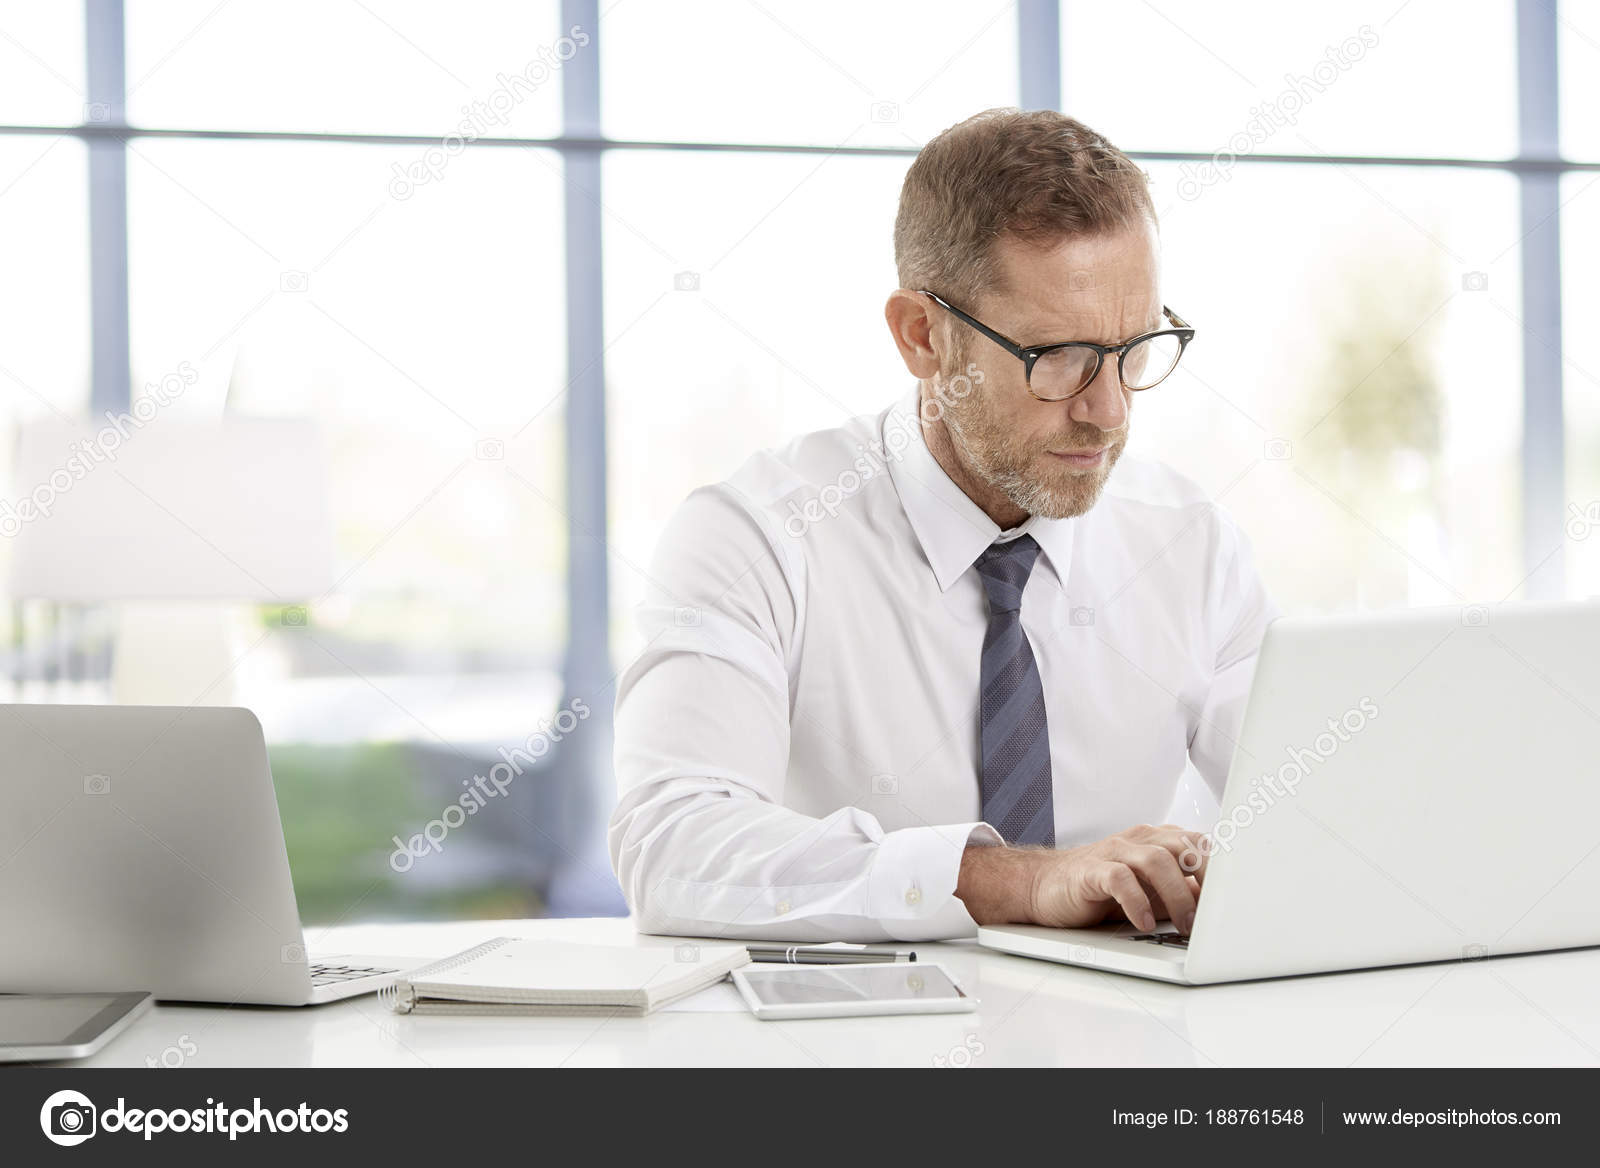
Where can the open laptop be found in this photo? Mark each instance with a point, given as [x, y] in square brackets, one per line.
[141, 849]
[1407, 787]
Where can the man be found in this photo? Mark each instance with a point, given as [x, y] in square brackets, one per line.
[928, 670]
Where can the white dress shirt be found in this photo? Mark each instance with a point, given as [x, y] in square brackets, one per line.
[797, 747]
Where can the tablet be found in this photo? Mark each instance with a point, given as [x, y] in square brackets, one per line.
[845, 991]
[35, 1027]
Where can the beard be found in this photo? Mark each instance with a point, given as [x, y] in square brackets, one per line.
[1022, 468]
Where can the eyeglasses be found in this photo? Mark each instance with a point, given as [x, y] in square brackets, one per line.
[1061, 371]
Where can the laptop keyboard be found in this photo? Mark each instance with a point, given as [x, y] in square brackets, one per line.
[1174, 940]
[324, 974]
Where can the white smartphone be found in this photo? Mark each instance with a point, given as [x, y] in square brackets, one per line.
[846, 991]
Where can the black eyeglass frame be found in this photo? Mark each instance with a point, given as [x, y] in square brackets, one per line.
[1029, 356]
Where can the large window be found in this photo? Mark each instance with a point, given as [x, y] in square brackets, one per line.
[815, 74]
[396, 67]
[1353, 398]
[1342, 77]
[534, 271]
[728, 330]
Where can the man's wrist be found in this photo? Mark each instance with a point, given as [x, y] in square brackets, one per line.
[998, 885]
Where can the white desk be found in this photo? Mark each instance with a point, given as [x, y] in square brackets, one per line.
[1537, 1010]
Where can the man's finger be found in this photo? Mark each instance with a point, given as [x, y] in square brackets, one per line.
[1158, 867]
[1191, 849]
[1116, 881]
[1161, 910]
[1193, 852]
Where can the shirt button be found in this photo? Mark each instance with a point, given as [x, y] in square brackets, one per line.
[913, 895]
[783, 907]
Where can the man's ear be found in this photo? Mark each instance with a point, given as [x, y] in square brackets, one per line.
[911, 324]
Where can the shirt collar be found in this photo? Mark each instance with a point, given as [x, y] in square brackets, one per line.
[952, 529]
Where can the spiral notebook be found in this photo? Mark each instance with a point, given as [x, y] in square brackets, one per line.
[512, 976]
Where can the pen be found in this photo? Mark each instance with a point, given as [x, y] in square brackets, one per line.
[825, 955]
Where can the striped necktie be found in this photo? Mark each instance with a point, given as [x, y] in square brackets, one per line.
[1016, 787]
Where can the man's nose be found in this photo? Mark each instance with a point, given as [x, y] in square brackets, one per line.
[1105, 402]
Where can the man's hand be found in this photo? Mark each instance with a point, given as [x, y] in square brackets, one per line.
[1145, 874]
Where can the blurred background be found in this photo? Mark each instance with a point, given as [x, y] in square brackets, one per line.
[504, 281]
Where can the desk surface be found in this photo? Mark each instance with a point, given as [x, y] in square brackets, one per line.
[1538, 1010]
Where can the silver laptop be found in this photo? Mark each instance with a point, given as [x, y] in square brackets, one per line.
[1407, 787]
[141, 849]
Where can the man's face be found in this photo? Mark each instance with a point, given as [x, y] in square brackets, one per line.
[1052, 458]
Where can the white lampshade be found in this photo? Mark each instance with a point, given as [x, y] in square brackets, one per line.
[170, 510]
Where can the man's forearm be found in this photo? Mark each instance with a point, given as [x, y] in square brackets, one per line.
[692, 860]
[997, 884]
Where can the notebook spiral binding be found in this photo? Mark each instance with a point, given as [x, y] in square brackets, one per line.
[400, 1000]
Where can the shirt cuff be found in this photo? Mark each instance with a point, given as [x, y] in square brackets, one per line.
[915, 872]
